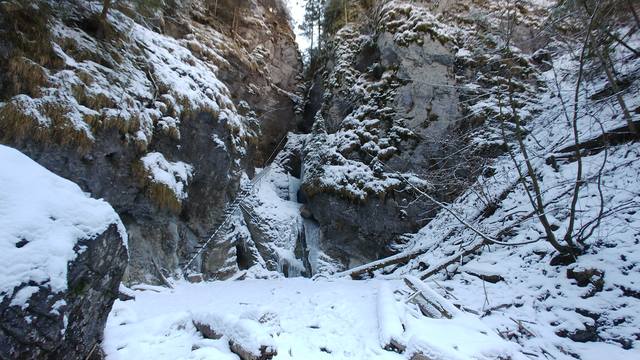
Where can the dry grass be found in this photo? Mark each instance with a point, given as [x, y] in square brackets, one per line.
[18, 124]
[159, 194]
[141, 146]
[92, 101]
[27, 76]
[172, 132]
[125, 125]
[164, 197]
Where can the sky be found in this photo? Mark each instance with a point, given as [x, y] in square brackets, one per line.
[296, 9]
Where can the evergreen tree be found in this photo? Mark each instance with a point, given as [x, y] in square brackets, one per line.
[311, 25]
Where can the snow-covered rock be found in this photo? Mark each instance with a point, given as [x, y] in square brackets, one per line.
[62, 254]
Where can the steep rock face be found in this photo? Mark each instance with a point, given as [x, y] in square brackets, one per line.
[63, 263]
[160, 120]
[380, 105]
[261, 64]
[408, 105]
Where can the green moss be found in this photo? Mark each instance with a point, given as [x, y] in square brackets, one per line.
[79, 289]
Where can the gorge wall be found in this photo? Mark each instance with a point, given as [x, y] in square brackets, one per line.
[165, 111]
[158, 110]
[401, 107]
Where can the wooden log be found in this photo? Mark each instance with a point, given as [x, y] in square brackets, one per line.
[470, 249]
[397, 259]
[593, 146]
[358, 272]
[241, 275]
[161, 276]
[431, 303]
[195, 278]
[215, 326]
[492, 278]
[207, 330]
[390, 327]
[125, 294]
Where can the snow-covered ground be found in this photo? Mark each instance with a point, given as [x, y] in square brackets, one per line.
[585, 310]
[303, 319]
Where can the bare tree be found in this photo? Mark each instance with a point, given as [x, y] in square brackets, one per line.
[602, 28]
[569, 245]
[106, 5]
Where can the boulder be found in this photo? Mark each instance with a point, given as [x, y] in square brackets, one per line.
[63, 255]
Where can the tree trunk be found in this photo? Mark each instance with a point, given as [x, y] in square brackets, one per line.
[105, 9]
[539, 202]
[311, 47]
[346, 15]
[634, 13]
[607, 66]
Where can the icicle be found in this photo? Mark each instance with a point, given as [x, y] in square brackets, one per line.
[312, 237]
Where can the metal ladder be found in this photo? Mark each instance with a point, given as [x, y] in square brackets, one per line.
[229, 210]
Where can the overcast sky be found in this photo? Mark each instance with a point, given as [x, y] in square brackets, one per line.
[296, 9]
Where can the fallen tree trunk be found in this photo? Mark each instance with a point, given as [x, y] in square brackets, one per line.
[161, 276]
[470, 249]
[431, 303]
[390, 327]
[358, 272]
[595, 145]
[403, 258]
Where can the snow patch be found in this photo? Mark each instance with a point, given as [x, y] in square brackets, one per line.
[174, 175]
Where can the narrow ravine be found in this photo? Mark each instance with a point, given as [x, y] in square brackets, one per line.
[319, 179]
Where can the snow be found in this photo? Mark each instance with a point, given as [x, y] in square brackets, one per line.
[174, 175]
[42, 218]
[145, 86]
[23, 295]
[311, 315]
[532, 310]
[462, 52]
[245, 331]
[279, 218]
[301, 318]
[389, 324]
[536, 304]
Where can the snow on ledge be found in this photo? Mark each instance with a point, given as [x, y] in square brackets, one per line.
[175, 175]
[42, 217]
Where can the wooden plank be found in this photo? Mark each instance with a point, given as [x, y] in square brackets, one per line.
[390, 327]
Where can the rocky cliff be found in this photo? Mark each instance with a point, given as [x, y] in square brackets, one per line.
[158, 110]
[404, 101]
